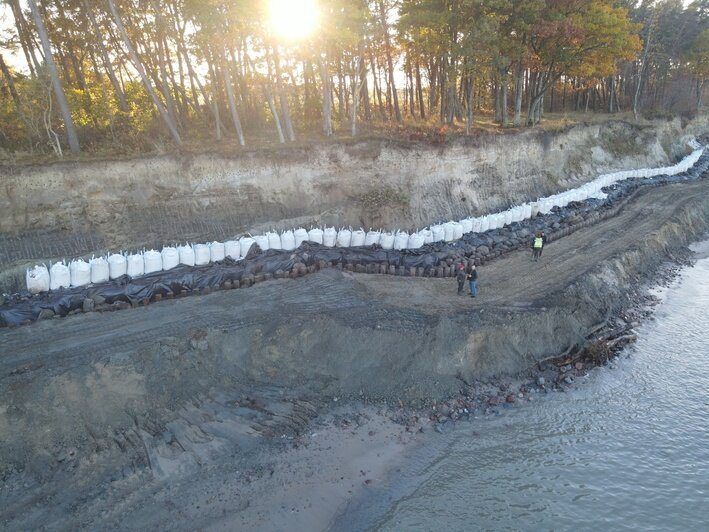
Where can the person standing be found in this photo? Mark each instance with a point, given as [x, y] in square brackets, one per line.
[460, 276]
[473, 281]
[537, 245]
[544, 243]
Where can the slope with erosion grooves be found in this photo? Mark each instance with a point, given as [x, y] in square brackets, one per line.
[178, 386]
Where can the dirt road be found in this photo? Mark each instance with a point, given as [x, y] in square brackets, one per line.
[92, 406]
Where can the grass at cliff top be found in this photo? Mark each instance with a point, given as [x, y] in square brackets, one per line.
[413, 130]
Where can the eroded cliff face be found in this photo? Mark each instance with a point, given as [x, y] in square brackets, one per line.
[64, 210]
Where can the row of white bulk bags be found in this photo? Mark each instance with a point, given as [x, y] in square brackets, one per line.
[59, 276]
[37, 279]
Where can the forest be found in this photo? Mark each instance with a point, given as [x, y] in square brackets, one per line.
[135, 76]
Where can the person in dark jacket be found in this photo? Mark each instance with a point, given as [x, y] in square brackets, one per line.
[460, 276]
[544, 243]
[473, 281]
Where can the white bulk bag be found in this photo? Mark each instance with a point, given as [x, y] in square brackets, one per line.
[386, 240]
[117, 266]
[527, 211]
[80, 272]
[448, 232]
[262, 242]
[416, 240]
[300, 235]
[484, 224]
[477, 224]
[401, 241]
[508, 217]
[99, 270]
[153, 261]
[274, 241]
[344, 238]
[170, 258]
[316, 235]
[457, 231]
[372, 237]
[216, 251]
[427, 235]
[438, 233]
[358, 238]
[467, 225]
[37, 279]
[186, 255]
[534, 209]
[231, 249]
[330, 237]
[59, 276]
[135, 266]
[201, 254]
[245, 243]
[288, 240]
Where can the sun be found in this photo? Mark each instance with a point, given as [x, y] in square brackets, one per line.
[293, 20]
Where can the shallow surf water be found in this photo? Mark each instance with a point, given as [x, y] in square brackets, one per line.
[627, 449]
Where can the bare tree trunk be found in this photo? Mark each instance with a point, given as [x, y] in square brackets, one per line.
[56, 84]
[10, 84]
[141, 72]
[283, 99]
[326, 99]
[419, 91]
[503, 98]
[646, 51]
[274, 112]
[358, 79]
[390, 63]
[519, 89]
[226, 78]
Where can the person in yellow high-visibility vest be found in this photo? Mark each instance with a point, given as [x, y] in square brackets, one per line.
[537, 245]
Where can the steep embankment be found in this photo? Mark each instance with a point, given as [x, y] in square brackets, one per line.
[66, 210]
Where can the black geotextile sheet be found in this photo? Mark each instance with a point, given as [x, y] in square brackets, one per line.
[25, 307]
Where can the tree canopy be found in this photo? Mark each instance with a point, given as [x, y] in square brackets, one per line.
[127, 76]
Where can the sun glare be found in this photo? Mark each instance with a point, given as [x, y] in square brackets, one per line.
[293, 20]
